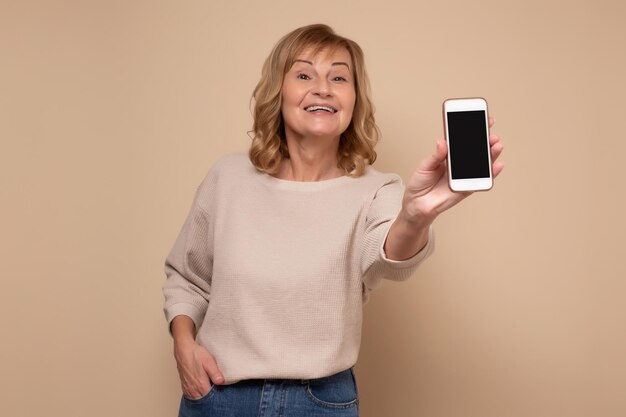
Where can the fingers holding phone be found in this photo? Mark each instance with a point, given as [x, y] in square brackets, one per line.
[496, 147]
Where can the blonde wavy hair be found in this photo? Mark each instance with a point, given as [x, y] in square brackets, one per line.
[269, 143]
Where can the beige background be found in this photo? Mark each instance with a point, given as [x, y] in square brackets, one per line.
[111, 112]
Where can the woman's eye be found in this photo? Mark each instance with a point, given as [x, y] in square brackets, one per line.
[339, 79]
[303, 76]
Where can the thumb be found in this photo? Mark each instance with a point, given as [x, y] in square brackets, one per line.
[210, 367]
[434, 161]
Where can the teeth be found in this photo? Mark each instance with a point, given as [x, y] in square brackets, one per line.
[314, 108]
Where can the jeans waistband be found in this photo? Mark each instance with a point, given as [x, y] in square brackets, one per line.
[306, 381]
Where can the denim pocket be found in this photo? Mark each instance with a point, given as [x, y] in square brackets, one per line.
[335, 391]
[201, 399]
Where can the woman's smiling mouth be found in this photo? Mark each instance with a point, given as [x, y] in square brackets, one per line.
[318, 108]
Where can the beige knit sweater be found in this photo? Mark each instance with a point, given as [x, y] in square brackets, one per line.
[275, 273]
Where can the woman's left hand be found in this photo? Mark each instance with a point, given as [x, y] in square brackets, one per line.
[427, 192]
[427, 195]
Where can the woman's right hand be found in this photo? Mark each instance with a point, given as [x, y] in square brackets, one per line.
[196, 366]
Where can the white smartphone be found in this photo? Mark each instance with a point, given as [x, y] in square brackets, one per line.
[466, 126]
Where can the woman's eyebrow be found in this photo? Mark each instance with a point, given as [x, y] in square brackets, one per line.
[341, 63]
[333, 64]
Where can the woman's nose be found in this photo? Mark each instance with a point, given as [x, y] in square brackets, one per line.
[322, 88]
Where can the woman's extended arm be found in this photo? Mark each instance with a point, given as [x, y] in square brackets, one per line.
[426, 196]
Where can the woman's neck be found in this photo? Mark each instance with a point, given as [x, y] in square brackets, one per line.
[314, 160]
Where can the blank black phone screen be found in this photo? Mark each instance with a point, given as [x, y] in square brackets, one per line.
[469, 147]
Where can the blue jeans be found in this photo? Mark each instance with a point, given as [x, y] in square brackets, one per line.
[334, 395]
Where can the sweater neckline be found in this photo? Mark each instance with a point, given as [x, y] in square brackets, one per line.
[302, 185]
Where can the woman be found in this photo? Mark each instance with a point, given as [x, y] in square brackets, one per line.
[267, 279]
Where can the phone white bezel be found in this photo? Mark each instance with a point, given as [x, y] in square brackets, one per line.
[467, 104]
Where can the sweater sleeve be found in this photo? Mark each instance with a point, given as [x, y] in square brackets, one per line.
[188, 267]
[375, 265]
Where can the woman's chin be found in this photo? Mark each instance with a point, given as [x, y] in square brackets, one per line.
[322, 133]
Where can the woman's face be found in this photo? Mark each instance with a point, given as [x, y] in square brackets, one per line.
[318, 94]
